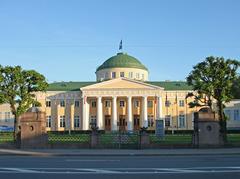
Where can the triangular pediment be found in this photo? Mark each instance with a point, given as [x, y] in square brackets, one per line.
[122, 83]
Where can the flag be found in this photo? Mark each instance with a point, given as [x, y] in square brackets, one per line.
[120, 45]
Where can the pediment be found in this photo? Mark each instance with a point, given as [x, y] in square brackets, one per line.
[122, 83]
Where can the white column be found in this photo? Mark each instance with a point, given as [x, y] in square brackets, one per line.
[114, 113]
[99, 113]
[145, 112]
[85, 113]
[72, 116]
[159, 108]
[129, 122]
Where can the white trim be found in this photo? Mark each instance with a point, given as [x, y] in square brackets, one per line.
[97, 85]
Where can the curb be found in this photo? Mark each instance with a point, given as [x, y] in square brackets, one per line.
[112, 155]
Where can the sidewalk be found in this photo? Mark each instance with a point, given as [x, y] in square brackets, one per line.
[115, 152]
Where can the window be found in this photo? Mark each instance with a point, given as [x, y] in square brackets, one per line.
[167, 103]
[168, 120]
[228, 114]
[93, 121]
[150, 104]
[7, 116]
[142, 76]
[181, 120]
[122, 74]
[62, 121]
[136, 104]
[236, 115]
[113, 74]
[137, 75]
[0, 116]
[130, 75]
[49, 121]
[106, 75]
[181, 103]
[150, 121]
[48, 103]
[76, 121]
[77, 104]
[94, 104]
[62, 103]
[122, 103]
[107, 104]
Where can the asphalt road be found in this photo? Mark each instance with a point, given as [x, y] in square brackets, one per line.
[207, 167]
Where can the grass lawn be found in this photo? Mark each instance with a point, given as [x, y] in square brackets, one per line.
[66, 138]
[171, 139]
[114, 138]
[6, 137]
[234, 138]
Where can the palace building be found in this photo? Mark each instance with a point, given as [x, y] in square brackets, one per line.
[122, 98]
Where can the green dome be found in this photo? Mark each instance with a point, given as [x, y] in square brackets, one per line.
[122, 60]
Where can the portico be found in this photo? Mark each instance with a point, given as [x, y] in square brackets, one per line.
[120, 104]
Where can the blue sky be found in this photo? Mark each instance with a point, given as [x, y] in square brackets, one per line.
[67, 39]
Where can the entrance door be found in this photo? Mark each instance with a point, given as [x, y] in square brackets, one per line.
[107, 123]
[122, 123]
[136, 122]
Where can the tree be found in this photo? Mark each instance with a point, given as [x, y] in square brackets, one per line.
[17, 87]
[213, 79]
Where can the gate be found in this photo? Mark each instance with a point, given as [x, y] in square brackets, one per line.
[119, 140]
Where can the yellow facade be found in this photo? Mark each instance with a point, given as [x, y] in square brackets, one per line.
[133, 89]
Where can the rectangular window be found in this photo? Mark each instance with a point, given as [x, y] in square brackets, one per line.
[76, 121]
[48, 104]
[150, 104]
[130, 75]
[113, 74]
[62, 121]
[77, 104]
[106, 75]
[122, 103]
[122, 74]
[228, 114]
[93, 121]
[236, 115]
[136, 104]
[167, 103]
[181, 103]
[137, 76]
[150, 121]
[168, 120]
[181, 120]
[107, 104]
[49, 121]
[142, 76]
[7, 116]
[62, 103]
[94, 104]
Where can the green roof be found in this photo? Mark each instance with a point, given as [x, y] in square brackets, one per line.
[68, 86]
[75, 86]
[171, 85]
[122, 60]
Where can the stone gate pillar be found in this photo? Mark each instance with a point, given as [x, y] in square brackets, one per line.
[33, 129]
